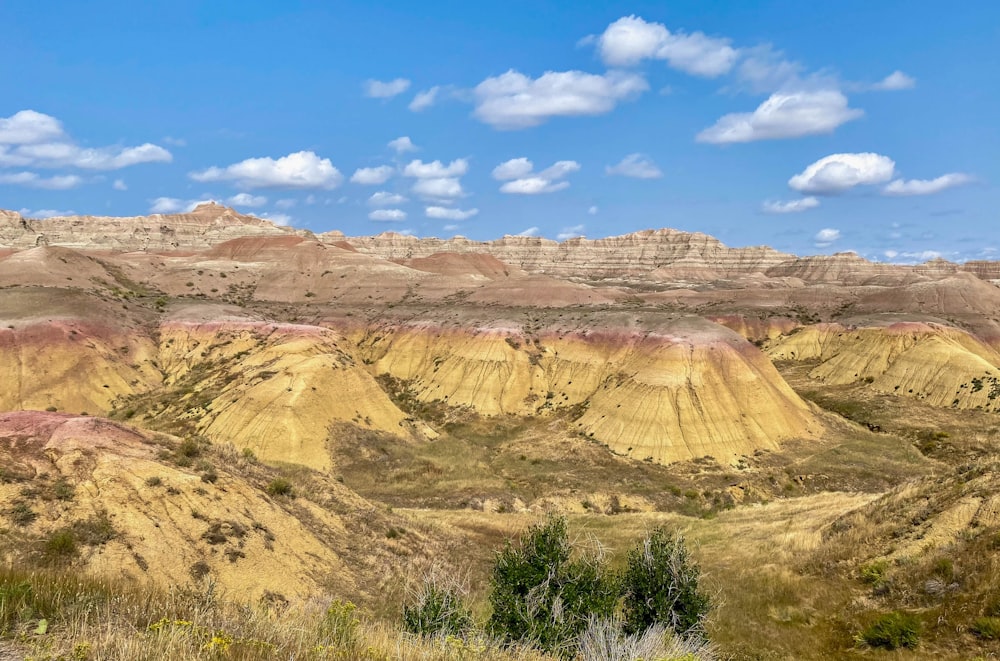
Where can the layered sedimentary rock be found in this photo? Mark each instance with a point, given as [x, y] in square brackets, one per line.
[164, 523]
[943, 365]
[206, 225]
[667, 390]
[676, 254]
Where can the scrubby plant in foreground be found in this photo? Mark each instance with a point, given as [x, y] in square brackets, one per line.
[541, 594]
[660, 585]
[437, 607]
[893, 631]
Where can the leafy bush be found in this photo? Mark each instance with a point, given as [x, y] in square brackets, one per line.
[437, 607]
[660, 586]
[875, 573]
[987, 628]
[280, 486]
[339, 627]
[542, 595]
[893, 630]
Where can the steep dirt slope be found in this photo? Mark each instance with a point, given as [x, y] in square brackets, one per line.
[138, 505]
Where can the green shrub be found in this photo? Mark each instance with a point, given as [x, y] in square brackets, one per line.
[21, 513]
[542, 595]
[893, 630]
[339, 627]
[280, 486]
[875, 573]
[60, 546]
[437, 607]
[987, 628]
[660, 586]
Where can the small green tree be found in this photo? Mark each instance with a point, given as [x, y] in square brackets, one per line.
[660, 586]
[541, 594]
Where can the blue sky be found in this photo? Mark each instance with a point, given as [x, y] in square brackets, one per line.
[811, 127]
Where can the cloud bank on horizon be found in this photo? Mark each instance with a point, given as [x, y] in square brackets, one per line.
[645, 119]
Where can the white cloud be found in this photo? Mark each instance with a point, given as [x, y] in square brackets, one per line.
[30, 127]
[891, 254]
[784, 115]
[592, 211]
[247, 200]
[33, 180]
[377, 89]
[30, 138]
[443, 188]
[175, 205]
[764, 69]
[119, 185]
[424, 100]
[402, 145]
[386, 199]
[637, 166]
[451, 228]
[826, 236]
[630, 39]
[793, 206]
[515, 168]
[372, 176]
[302, 169]
[531, 231]
[310, 199]
[450, 214]
[436, 169]
[46, 213]
[286, 203]
[530, 183]
[837, 173]
[515, 101]
[897, 80]
[389, 215]
[570, 232]
[175, 142]
[902, 187]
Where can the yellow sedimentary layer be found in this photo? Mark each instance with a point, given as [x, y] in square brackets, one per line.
[274, 388]
[689, 390]
[943, 365]
[164, 514]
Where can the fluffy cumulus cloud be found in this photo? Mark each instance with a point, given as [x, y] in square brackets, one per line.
[386, 199]
[637, 166]
[447, 213]
[34, 180]
[276, 218]
[531, 231]
[764, 69]
[521, 179]
[897, 80]
[437, 181]
[424, 100]
[901, 187]
[33, 139]
[574, 232]
[784, 115]
[388, 215]
[119, 184]
[372, 176]
[247, 200]
[377, 89]
[826, 236]
[630, 40]
[792, 206]
[402, 144]
[515, 101]
[302, 169]
[837, 173]
[593, 210]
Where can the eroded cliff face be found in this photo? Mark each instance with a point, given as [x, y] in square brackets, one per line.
[669, 390]
[666, 252]
[943, 365]
[207, 225]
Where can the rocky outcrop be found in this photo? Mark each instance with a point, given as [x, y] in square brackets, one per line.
[207, 225]
[648, 255]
